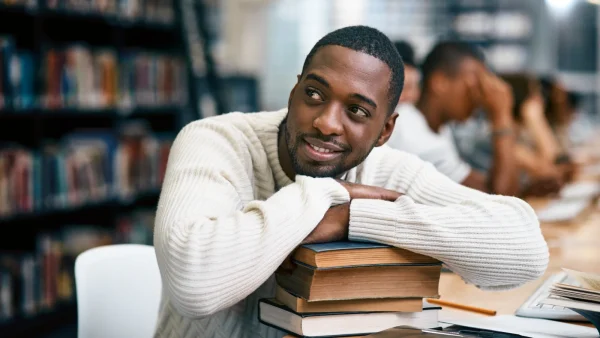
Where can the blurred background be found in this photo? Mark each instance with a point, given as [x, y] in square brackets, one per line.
[92, 93]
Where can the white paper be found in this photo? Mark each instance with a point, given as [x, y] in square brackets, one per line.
[580, 190]
[587, 280]
[562, 210]
[530, 327]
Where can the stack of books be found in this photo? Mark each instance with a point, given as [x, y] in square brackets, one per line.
[582, 297]
[350, 289]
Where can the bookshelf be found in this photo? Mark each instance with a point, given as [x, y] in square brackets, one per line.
[91, 98]
[502, 28]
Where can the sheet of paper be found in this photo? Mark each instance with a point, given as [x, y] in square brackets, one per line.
[530, 327]
[562, 210]
[580, 190]
[587, 280]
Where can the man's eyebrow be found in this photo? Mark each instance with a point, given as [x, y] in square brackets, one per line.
[317, 78]
[364, 99]
[324, 82]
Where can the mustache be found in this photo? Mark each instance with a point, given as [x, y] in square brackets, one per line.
[325, 138]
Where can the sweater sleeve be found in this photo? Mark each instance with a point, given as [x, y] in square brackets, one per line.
[491, 241]
[213, 249]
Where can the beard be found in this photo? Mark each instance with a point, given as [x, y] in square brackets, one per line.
[336, 169]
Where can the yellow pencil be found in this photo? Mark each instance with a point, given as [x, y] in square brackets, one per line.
[461, 306]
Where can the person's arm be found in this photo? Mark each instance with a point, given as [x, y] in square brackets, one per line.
[534, 165]
[491, 241]
[503, 178]
[537, 126]
[215, 243]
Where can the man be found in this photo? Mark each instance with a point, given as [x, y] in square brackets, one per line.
[412, 76]
[242, 191]
[456, 83]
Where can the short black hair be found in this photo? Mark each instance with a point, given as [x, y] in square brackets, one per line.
[370, 41]
[447, 55]
[407, 52]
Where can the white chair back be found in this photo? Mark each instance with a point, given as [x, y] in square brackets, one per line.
[118, 291]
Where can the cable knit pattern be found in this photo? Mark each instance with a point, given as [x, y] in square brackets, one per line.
[228, 216]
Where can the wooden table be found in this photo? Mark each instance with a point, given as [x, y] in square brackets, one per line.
[574, 245]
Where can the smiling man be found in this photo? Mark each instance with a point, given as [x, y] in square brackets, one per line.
[242, 191]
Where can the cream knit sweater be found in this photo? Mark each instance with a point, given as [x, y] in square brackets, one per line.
[228, 216]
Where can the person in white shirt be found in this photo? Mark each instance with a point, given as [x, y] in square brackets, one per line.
[412, 76]
[243, 191]
[455, 84]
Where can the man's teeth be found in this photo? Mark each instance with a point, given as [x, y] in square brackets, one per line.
[321, 150]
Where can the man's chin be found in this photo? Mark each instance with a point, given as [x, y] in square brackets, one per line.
[316, 171]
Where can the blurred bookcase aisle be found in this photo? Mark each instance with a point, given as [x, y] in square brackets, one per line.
[92, 94]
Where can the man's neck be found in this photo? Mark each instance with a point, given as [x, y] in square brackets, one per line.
[432, 113]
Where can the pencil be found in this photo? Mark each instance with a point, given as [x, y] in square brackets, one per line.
[461, 306]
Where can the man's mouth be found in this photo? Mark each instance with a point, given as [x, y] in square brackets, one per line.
[321, 151]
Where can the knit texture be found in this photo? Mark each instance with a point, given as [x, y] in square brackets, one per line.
[228, 216]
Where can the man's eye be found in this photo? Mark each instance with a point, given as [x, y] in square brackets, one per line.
[358, 111]
[313, 94]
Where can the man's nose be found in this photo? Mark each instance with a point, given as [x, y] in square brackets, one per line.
[329, 122]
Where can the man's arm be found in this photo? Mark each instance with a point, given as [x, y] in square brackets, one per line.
[214, 243]
[503, 178]
[491, 241]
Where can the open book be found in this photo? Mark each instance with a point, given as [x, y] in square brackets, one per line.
[583, 298]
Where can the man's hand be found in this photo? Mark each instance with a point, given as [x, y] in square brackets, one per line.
[333, 227]
[496, 97]
[542, 187]
[360, 191]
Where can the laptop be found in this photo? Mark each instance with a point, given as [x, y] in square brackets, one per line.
[532, 308]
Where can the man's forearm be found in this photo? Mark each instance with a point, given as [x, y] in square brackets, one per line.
[503, 178]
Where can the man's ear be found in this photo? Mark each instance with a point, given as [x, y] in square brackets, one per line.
[388, 129]
[299, 76]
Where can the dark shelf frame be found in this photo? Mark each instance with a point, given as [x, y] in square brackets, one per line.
[40, 323]
[36, 29]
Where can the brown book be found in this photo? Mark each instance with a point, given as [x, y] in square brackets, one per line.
[340, 254]
[339, 324]
[300, 305]
[362, 282]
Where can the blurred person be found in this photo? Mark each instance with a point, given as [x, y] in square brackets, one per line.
[560, 113]
[537, 150]
[455, 83]
[412, 75]
[243, 191]
[560, 108]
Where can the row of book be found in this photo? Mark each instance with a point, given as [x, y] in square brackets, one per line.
[83, 168]
[80, 77]
[41, 281]
[352, 289]
[149, 11]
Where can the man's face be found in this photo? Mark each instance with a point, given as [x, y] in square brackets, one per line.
[337, 112]
[460, 92]
[412, 87]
